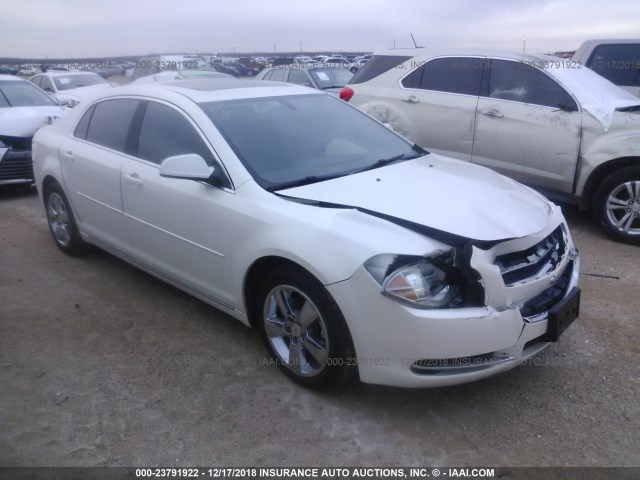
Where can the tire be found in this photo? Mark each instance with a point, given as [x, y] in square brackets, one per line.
[617, 205]
[62, 224]
[311, 343]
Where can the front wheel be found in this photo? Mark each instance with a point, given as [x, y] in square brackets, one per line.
[303, 329]
[617, 205]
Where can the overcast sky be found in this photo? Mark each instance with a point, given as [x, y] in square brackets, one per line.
[87, 28]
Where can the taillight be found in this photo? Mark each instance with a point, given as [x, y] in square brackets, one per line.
[346, 93]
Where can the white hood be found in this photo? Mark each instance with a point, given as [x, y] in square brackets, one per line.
[441, 193]
[25, 121]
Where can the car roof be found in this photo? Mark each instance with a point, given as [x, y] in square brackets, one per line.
[464, 52]
[11, 77]
[211, 89]
[66, 73]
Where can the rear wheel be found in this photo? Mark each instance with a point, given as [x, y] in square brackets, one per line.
[303, 329]
[62, 223]
[617, 205]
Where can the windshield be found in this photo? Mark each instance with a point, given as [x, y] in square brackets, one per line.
[17, 93]
[330, 77]
[294, 140]
[67, 82]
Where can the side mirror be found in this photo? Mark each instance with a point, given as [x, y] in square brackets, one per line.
[189, 167]
[192, 167]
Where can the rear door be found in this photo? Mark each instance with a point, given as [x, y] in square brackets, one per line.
[91, 162]
[528, 126]
[436, 104]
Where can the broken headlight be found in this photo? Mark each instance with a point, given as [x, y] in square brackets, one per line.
[426, 282]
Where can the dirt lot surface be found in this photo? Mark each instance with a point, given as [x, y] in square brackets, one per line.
[103, 365]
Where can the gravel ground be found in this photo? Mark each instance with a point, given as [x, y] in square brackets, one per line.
[103, 365]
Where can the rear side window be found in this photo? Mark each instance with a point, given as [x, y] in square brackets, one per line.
[165, 132]
[83, 124]
[111, 123]
[378, 65]
[519, 82]
[462, 75]
[619, 63]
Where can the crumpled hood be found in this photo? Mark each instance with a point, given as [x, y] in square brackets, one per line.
[441, 193]
[25, 121]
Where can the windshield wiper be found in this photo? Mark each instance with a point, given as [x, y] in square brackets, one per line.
[302, 181]
[386, 161]
[332, 86]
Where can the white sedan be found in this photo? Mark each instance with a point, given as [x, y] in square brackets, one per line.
[70, 88]
[352, 250]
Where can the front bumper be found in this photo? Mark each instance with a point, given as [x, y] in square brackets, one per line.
[15, 166]
[402, 346]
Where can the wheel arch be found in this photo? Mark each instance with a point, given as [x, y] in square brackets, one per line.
[600, 174]
[47, 182]
[256, 272]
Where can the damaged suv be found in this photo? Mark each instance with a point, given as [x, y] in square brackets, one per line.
[296, 213]
[544, 121]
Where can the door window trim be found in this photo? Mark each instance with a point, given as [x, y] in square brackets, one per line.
[423, 63]
[137, 127]
[485, 86]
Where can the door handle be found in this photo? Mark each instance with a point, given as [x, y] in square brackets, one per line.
[68, 155]
[493, 112]
[134, 179]
[411, 99]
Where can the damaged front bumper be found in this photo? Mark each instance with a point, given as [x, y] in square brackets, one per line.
[404, 346]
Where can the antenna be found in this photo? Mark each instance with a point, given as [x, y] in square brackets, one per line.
[414, 40]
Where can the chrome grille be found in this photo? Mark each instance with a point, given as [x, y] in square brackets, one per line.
[539, 259]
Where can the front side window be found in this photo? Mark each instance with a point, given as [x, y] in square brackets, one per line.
[111, 122]
[461, 75]
[164, 133]
[519, 82]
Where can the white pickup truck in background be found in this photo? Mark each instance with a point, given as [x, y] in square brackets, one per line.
[617, 60]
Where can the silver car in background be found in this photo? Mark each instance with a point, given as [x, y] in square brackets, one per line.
[547, 122]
